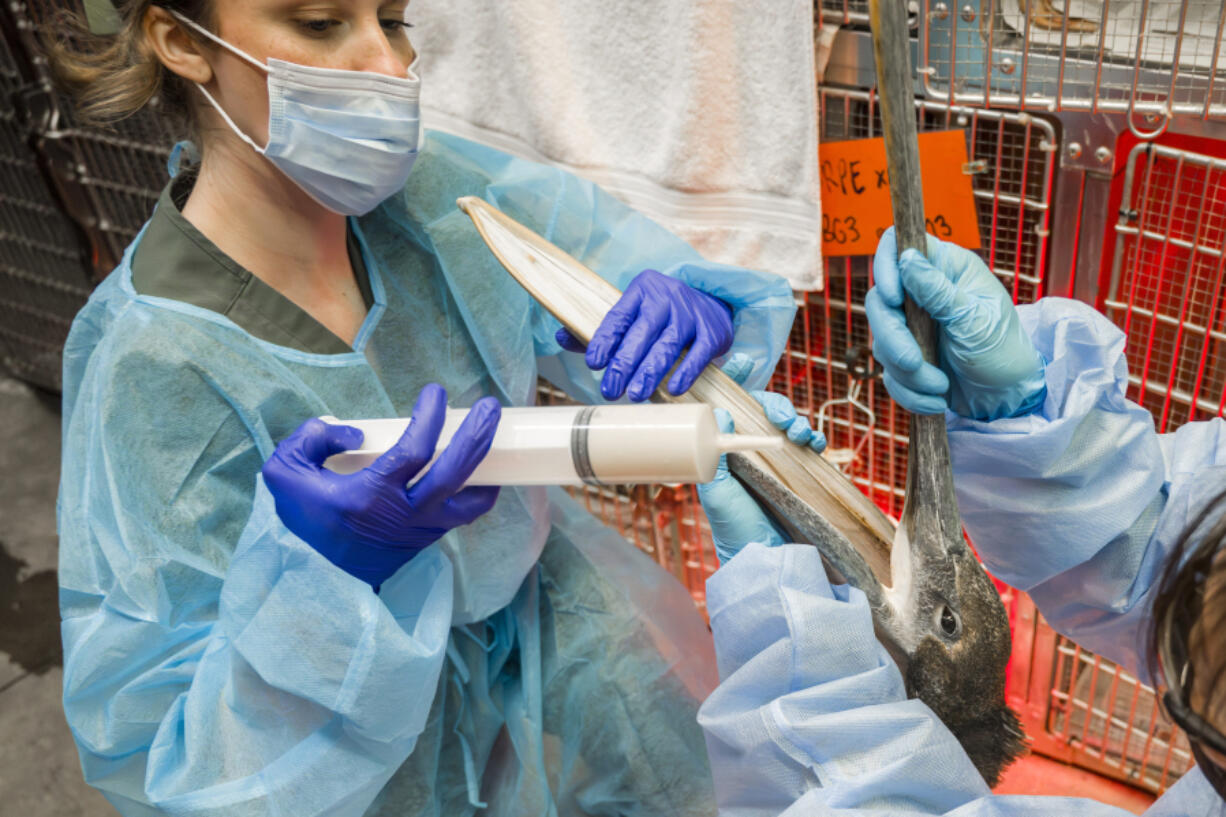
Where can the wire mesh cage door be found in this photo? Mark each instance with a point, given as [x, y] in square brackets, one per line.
[1088, 711]
[1012, 160]
[1148, 58]
[1165, 289]
[71, 198]
[111, 176]
[44, 263]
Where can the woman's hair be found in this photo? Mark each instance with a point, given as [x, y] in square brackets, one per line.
[1189, 609]
[113, 76]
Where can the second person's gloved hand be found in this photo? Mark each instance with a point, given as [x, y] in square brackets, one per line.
[989, 367]
[736, 519]
[372, 522]
[647, 331]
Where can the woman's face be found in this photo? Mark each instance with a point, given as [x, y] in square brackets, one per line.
[356, 35]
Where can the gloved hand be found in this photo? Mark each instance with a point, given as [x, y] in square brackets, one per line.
[989, 367]
[736, 519]
[782, 415]
[646, 332]
[370, 523]
[778, 409]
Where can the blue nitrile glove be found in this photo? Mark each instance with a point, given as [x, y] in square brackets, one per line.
[989, 367]
[736, 520]
[647, 331]
[782, 415]
[370, 523]
[778, 409]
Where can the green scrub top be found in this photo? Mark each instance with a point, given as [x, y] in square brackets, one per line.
[175, 260]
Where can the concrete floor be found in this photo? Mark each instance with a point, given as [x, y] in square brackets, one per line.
[40, 775]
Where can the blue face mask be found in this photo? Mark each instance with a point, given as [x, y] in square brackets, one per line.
[347, 138]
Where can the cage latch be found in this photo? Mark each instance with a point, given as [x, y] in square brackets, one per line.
[861, 369]
[35, 103]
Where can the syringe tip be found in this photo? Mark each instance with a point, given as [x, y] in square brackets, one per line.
[728, 443]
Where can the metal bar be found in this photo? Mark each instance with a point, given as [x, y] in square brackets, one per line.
[1166, 764]
[1025, 60]
[1019, 249]
[1098, 73]
[1149, 738]
[848, 342]
[1183, 305]
[1063, 53]
[1183, 18]
[1217, 52]
[1207, 333]
[1081, 198]
[827, 346]
[1097, 664]
[870, 97]
[1194, 328]
[1179, 394]
[987, 52]
[1132, 297]
[1000, 148]
[953, 54]
[1158, 289]
[871, 402]
[1155, 235]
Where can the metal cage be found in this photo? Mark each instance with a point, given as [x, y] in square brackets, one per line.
[1166, 281]
[1083, 709]
[44, 276]
[1012, 165]
[110, 177]
[1147, 58]
[72, 198]
[1042, 108]
[1077, 707]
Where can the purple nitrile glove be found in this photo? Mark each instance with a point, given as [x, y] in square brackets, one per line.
[372, 522]
[647, 331]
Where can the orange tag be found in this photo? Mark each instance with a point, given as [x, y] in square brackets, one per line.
[856, 193]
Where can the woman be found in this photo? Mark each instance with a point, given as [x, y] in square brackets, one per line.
[302, 643]
[1117, 534]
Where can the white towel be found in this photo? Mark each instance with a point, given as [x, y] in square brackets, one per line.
[701, 114]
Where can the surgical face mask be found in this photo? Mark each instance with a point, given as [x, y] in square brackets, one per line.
[347, 138]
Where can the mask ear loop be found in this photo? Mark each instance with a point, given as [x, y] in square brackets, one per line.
[204, 32]
[238, 52]
[237, 131]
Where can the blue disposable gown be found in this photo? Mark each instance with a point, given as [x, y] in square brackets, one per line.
[214, 664]
[1079, 504]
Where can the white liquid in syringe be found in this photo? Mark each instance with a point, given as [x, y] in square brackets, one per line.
[576, 445]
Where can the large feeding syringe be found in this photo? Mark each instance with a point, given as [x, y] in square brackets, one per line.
[576, 445]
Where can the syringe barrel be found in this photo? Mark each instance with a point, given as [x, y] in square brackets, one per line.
[647, 443]
[572, 445]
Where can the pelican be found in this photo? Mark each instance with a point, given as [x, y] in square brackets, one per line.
[934, 608]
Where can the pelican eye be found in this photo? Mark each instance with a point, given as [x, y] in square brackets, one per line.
[951, 625]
